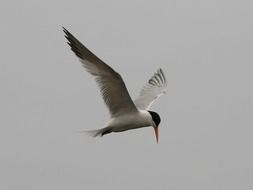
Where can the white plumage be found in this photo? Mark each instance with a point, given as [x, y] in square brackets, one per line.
[125, 114]
[153, 90]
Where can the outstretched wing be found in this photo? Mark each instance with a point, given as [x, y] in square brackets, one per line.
[154, 89]
[112, 87]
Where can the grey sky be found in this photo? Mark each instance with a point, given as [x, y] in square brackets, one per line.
[205, 49]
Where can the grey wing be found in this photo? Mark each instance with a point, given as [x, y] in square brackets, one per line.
[112, 87]
[154, 89]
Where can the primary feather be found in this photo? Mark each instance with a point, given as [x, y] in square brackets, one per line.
[154, 89]
[112, 87]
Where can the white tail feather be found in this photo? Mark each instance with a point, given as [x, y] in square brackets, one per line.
[92, 133]
[97, 132]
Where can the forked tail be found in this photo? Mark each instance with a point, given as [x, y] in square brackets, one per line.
[98, 132]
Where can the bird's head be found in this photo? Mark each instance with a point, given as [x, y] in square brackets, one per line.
[155, 122]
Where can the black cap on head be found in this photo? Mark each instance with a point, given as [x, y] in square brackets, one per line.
[155, 117]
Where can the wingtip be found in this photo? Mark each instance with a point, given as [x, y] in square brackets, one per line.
[64, 29]
[67, 33]
[164, 77]
[159, 70]
[68, 36]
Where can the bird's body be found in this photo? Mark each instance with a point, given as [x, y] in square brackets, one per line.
[125, 113]
[125, 122]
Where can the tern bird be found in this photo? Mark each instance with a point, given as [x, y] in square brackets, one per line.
[125, 113]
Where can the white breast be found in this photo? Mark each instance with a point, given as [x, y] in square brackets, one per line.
[131, 121]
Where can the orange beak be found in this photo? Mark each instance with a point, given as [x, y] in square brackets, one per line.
[156, 134]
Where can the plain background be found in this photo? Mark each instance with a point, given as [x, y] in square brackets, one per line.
[205, 49]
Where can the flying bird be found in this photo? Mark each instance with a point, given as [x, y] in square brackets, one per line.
[125, 114]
